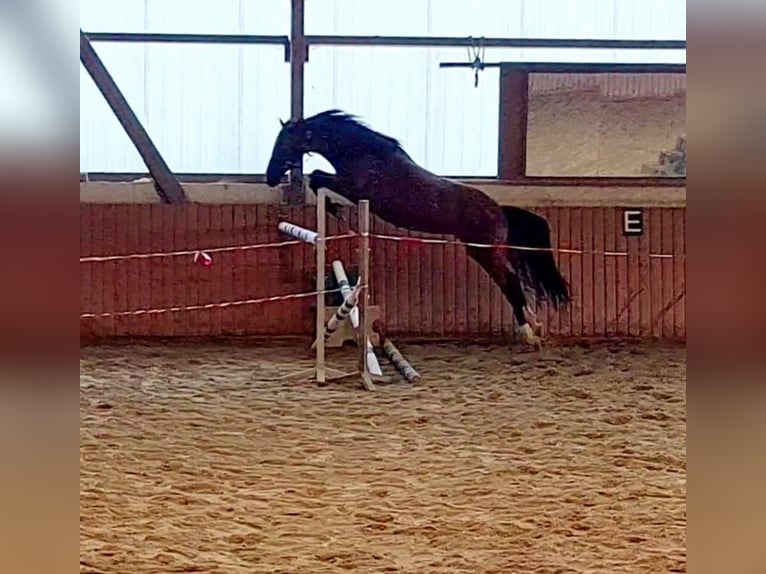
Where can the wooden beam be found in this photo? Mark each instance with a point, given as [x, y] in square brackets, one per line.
[512, 133]
[166, 184]
[321, 259]
[547, 181]
[555, 194]
[363, 215]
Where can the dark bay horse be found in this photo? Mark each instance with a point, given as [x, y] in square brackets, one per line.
[373, 166]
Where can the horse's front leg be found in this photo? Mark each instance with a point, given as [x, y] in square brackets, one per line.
[319, 178]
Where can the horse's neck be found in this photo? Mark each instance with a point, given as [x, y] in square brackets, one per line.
[348, 159]
[341, 159]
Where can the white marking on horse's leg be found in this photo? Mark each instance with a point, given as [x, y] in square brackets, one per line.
[529, 337]
[526, 331]
[531, 317]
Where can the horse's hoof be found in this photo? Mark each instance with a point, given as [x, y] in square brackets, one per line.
[531, 317]
[531, 338]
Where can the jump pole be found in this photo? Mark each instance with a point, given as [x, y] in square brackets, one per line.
[346, 291]
[402, 365]
[299, 232]
[395, 356]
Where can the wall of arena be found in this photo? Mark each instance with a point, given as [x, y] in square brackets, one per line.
[622, 286]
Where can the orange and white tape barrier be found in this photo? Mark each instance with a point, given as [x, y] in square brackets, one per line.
[566, 251]
[196, 252]
[203, 257]
[221, 305]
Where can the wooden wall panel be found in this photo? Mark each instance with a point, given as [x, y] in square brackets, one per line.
[425, 290]
[611, 266]
[86, 269]
[598, 236]
[679, 272]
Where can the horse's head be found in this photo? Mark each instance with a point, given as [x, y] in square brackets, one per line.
[337, 136]
[293, 141]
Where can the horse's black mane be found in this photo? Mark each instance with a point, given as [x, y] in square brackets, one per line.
[349, 127]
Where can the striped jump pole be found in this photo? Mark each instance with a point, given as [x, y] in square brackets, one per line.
[345, 289]
[298, 232]
[395, 356]
[342, 312]
[401, 364]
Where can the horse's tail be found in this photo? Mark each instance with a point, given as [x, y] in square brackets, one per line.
[536, 268]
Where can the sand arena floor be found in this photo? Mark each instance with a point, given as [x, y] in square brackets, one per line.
[192, 460]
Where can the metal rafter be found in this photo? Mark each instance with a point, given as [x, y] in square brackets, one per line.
[166, 184]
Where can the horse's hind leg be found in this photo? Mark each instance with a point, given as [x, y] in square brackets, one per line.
[531, 317]
[495, 262]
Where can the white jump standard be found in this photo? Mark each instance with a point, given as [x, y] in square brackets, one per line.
[355, 299]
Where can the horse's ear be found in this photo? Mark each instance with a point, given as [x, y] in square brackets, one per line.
[281, 123]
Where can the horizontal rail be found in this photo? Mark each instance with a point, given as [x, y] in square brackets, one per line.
[457, 42]
[576, 67]
[131, 177]
[403, 41]
[150, 38]
[541, 181]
